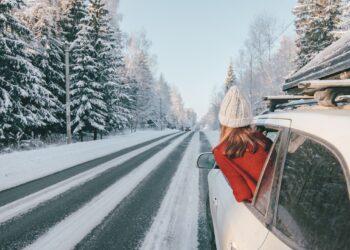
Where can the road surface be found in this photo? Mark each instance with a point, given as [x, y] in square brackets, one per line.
[147, 196]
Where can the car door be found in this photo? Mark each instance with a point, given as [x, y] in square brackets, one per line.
[239, 225]
[312, 209]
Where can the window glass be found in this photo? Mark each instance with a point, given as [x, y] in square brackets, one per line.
[314, 207]
[265, 186]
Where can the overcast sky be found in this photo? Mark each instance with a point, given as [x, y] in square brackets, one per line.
[194, 39]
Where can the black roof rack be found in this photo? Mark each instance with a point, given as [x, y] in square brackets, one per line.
[326, 93]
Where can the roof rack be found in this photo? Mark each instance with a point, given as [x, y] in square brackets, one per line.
[310, 87]
[274, 101]
[326, 93]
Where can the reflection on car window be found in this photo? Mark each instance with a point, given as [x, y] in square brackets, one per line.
[264, 191]
[314, 206]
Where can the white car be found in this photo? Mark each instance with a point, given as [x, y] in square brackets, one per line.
[302, 198]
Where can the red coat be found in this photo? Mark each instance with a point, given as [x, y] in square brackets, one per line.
[242, 172]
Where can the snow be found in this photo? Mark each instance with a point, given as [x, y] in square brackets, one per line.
[175, 225]
[22, 205]
[20, 167]
[70, 231]
[213, 137]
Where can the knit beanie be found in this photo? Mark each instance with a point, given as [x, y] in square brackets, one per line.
[235, 110]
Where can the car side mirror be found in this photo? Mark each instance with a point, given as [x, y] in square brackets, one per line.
[206, 161]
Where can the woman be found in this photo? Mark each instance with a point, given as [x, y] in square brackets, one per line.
[243, 150]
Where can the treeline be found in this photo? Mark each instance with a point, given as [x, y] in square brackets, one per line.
[268, 57]
[112, 86]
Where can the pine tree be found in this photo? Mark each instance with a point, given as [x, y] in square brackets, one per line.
[72, 14]
[108, 45]
[42, 19]
[24, 101]
[316, 23]
[345, 17]
[88, 106]
[230, 78]
[116, 87]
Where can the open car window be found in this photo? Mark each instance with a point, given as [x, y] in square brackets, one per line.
[263, 193]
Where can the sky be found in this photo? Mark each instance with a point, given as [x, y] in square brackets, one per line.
[194, 40]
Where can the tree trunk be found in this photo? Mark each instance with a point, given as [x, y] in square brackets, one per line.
[95, 134]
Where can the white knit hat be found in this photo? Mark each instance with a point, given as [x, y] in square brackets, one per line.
[235, 110]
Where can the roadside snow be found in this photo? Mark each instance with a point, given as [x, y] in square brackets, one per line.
[70, 231]
[175, 225]
[213, 136]
[22, 205]
[20, 167]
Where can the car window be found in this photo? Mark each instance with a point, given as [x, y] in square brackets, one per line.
[264, 187]
[313, 208]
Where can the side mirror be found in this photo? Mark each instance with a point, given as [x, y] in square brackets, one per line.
[206, 161]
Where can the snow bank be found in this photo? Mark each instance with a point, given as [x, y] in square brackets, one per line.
[20, 167]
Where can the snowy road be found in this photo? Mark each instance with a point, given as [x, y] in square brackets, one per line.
[147, 196]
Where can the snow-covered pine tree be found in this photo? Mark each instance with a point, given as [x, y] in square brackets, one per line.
[345, 17]
[108, 45]
[316, 24]
[131, 104]
[331, 21]
[25, 104]
[230, 77]
[117, 90]
[89, 109]
[42, 19]
[73, 12]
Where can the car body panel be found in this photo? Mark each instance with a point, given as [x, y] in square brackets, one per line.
[231, 216]
[272, 242]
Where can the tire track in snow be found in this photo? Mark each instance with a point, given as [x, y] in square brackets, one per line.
[14, 193]
[206, 238]
[127, 224]
[175, 226]
[23, 230]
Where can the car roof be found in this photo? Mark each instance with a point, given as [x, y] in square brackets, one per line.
[330, 125]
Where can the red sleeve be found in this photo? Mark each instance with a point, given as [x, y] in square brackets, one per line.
[241, 191]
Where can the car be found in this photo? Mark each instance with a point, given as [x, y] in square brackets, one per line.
[187, 129]
[302, 197]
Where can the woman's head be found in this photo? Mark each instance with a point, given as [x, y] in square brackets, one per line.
[235, 117]
[235, 110]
